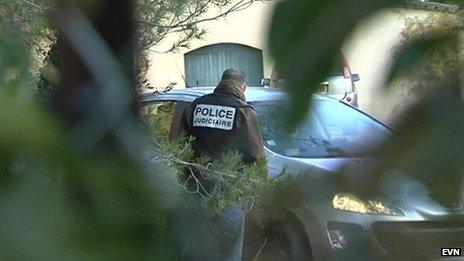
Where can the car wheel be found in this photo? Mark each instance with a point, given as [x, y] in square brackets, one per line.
[285, 240]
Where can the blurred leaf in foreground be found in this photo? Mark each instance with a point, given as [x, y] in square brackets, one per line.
[304, 38]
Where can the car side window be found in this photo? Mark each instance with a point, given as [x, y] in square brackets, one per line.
[331, 129]
[163, 118]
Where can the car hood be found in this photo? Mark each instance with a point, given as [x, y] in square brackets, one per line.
[414, 195]
[409, 195]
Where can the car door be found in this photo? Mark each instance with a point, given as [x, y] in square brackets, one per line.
[163, 118]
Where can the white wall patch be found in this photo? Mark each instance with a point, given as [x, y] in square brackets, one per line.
[213, 116]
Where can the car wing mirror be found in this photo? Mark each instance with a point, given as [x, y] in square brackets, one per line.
[265, 82]
[355, 77]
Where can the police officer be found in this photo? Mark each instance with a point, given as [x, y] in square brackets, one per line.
[222, 122]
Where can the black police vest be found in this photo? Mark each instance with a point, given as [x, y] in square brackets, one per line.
[215, 124]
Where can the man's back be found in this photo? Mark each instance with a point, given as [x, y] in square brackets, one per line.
[222, 122]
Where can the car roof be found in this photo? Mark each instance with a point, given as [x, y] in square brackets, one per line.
[252, 94]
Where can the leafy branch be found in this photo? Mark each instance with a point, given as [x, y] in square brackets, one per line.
[219, 182]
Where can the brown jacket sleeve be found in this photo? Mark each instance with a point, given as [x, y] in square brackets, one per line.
[251, 142]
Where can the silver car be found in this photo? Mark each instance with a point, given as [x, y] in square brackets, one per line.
[333, 223]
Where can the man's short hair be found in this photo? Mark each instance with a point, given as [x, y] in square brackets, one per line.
[235, 75]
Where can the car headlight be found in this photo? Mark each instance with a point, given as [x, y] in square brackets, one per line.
[349, 202]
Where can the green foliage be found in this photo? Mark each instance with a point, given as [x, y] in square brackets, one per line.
[59, 201]
[430, 48]
[49, 74]
[313, 31]
[158, 118]
[15, 78]
[426, 146]
[220, 182]
[244, 186]
[28, 22]
[156, 20]
[159, 19]
[176, 23]
[430, 54]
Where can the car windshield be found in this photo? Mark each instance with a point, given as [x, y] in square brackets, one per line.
[331, 129]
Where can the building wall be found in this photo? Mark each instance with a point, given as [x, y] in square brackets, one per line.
[247, 27]
[369, 52]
